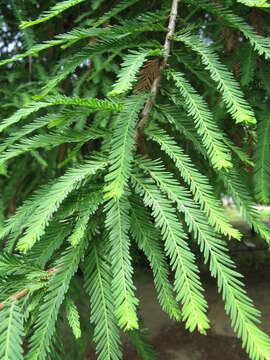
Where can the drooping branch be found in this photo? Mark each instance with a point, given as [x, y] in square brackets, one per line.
[167, 47]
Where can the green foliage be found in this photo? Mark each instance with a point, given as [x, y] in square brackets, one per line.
[117, 223]
[258, 42]
[147, 239]
[255, 3]
[231, 92]
[245, 203]
[248, 66]
[11, 332]
[59, 100]
[118, 136]
[127, 76]
[262, 159]
[52, 197]
[66, 266]
[198, 183]
[57, 9]
[73, 318]
[50, 140]
[98, 279]
[139, 340]
[215, 252]
[187, 284]
[121, 148]
[212, 137]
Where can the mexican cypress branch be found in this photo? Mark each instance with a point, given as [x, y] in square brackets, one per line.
[120, 201]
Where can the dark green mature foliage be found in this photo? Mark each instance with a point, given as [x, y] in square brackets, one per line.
[116, 127]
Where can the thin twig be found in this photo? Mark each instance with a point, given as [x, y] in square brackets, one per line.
[154, 89]
[20, 294]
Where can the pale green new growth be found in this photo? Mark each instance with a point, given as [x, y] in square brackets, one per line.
[255, 3]
[122, 147]
[123, 289]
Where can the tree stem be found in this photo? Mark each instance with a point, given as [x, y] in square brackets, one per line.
[154, 89]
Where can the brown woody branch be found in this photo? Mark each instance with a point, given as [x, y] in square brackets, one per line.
[155, 86]
[20, 294]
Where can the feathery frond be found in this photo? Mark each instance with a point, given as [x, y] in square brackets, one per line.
[123, 289]
[199, 185]
[258, 42]
[187, 282]
[237, 304]
[50, 140]
[57, 9]
[230, 89]
[139, 340]
[98, 280]
[66, 116]
[11, 332]
[248, 65]
[197, 108]
[119, 7]
[53, 197]
[59, 100]
[243, 199]
[50, 242]
[73, 318]
[140, 24]
[127, 76]
[122, 146]
[183, 125]
[83, 217]
[65, 267]
[255, 3]
[148, 239]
